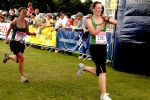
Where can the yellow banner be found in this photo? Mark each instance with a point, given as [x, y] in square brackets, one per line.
[47, 36]
[113, 4]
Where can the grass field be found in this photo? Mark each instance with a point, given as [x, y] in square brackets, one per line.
[53, 77]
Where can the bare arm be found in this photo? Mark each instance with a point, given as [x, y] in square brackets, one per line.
[110, 20]
[92, 29]
[8, 32]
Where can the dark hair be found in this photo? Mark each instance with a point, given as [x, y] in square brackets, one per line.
[50, 16]
[33, 14]
[19, 10]
[68, 15]
[29, 3]
[12, 9]
[62, 12]
[94, 5]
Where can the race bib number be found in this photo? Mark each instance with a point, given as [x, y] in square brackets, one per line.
[20, 36]
[101, 38]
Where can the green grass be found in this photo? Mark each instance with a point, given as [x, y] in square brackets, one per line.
[53, 77]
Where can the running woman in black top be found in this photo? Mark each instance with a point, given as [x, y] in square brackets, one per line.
[17, 41]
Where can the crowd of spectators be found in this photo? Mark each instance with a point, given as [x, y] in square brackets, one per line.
[45, 20]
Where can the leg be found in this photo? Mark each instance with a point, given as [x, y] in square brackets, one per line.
[21, 66]
[101, 77]
[13, 57]
[82, 67]
[8, 57]
[102, 87]
[89, 69]
[102, 83]
[18, 49]
[98, 54]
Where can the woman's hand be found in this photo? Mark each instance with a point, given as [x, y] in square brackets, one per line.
[34, 34]
[109, 20]
[106, 18]
[6, 41]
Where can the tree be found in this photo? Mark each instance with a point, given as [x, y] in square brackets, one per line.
[76, 6]
[87, 5]
[46, 6]
[3, 4]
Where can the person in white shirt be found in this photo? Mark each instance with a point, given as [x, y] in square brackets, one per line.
[61, 21]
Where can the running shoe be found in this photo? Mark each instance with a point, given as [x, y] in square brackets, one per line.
[24, 79]
[80, 69]
[105, 97]
[6, 58]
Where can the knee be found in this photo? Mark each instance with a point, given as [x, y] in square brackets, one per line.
[20, 58]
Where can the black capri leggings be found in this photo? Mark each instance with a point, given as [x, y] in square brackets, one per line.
[98, 54]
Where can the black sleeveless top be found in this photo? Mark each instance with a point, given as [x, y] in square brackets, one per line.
[19, 34]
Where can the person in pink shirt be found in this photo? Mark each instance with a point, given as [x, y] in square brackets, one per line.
[30, 9]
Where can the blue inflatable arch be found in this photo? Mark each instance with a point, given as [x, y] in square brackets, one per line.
[131, 50]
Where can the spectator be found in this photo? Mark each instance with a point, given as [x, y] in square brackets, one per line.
[36, 21]
[6, 16]
[70, 21]
[30, 9]
[1, 13]
[13, 15]
[41, 25]
[45, 23]
[33, 17]
[49, 21]
[82, 26]
[1, 19]
[37, 13]
[81, 21]
[58, 21]
[75, 21]
[62, 20]
[88, 16]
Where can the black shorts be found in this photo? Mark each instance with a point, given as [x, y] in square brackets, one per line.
[98, 54]
[16, 47]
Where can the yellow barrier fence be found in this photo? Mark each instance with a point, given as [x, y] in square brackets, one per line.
[47, 36]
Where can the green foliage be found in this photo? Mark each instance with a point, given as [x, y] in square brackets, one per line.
[47, 6]
[87, 5]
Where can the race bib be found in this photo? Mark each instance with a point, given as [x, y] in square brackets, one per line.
[101, 38]
[20, 36]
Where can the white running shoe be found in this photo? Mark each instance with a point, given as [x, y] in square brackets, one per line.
[80, 69]
[105, 97]
[24, 79]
